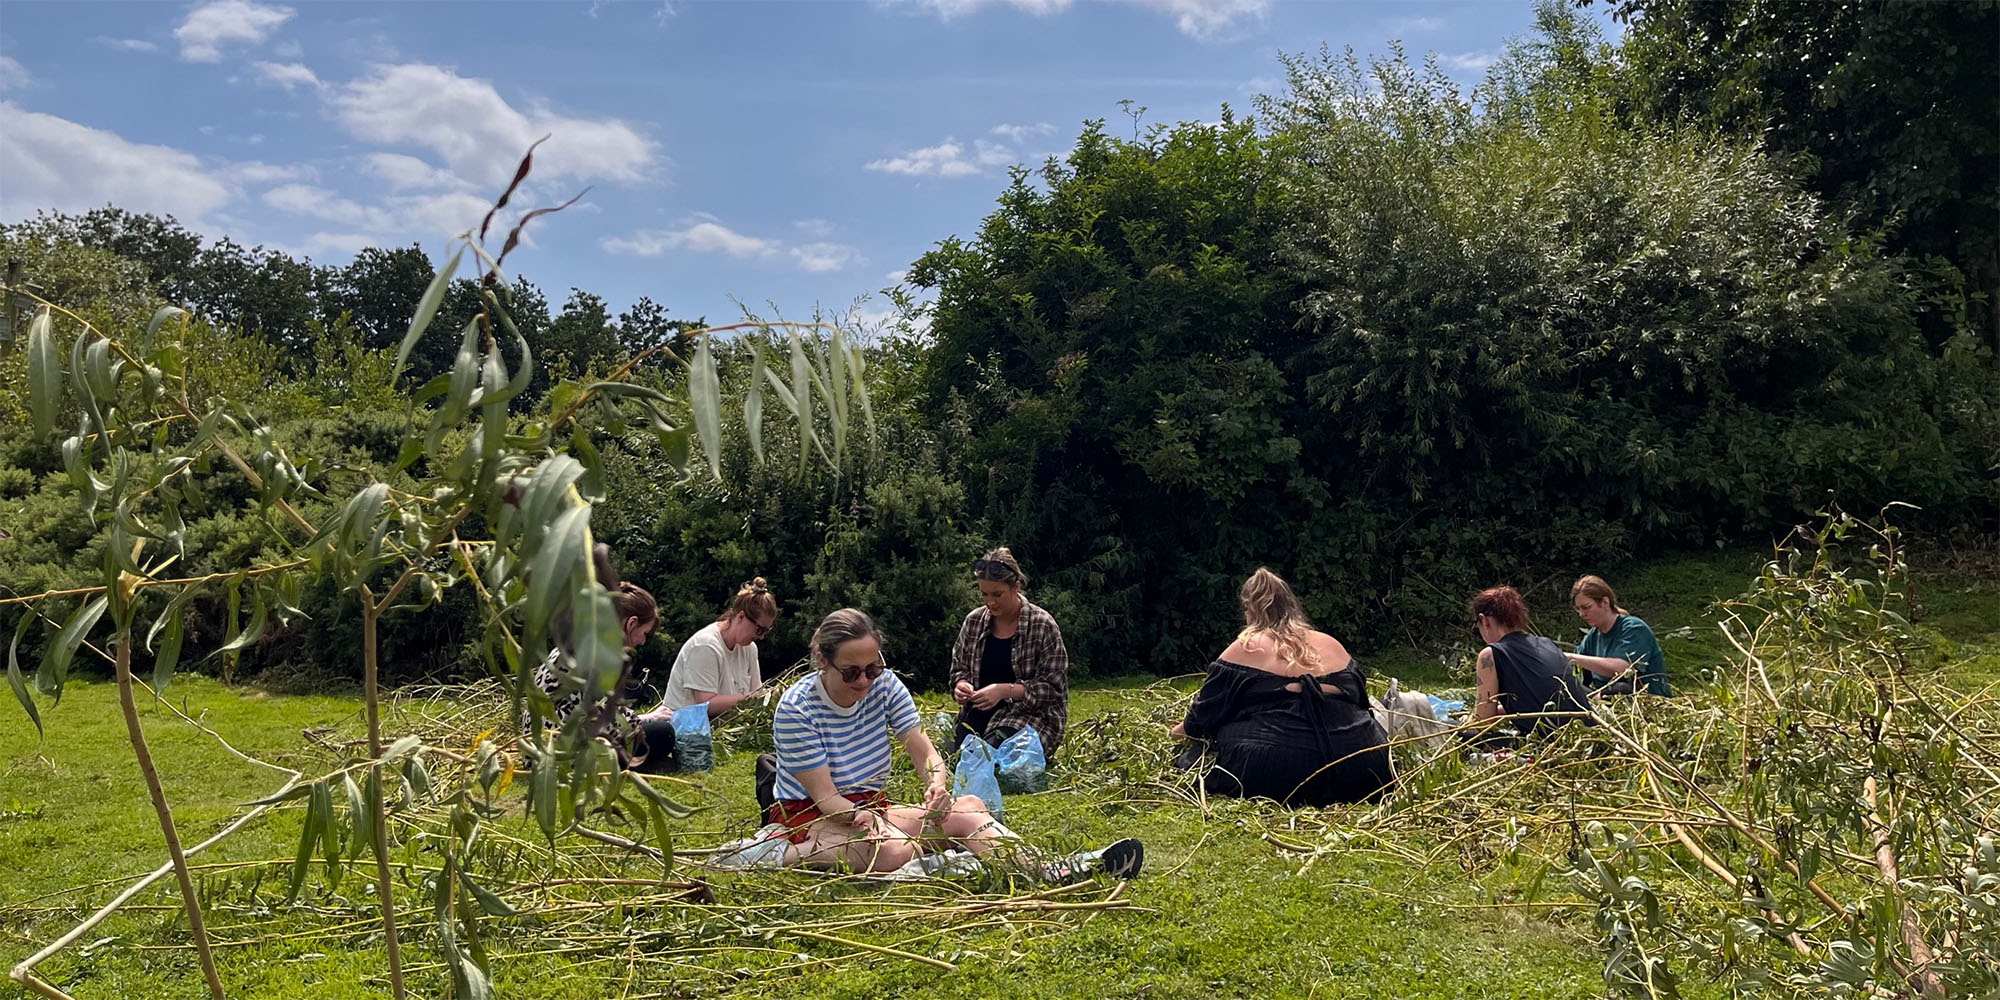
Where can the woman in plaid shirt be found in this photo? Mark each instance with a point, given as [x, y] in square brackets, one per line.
[1009, 668]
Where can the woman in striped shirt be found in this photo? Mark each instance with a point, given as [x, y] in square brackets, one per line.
[832, 731]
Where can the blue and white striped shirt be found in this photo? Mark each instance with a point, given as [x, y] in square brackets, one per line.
[851, 743]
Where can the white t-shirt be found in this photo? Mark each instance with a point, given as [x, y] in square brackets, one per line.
[705, 664]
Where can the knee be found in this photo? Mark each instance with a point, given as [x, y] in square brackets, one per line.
[969, 804]
[890, 854]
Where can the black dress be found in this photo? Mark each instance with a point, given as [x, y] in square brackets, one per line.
[996, 666]
[1308, 746]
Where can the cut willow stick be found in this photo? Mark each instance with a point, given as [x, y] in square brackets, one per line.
[371, 612]
[190, 901]
[1906, 919]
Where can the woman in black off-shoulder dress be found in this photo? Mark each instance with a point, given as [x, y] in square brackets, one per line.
[1284, 711]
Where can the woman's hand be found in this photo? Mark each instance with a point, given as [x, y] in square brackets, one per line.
[1177, 732]
[937, 796]
[988, 696]
[961, 692]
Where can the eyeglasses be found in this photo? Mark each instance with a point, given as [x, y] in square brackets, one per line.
[851, 674]
[763, 629]
[994, 570]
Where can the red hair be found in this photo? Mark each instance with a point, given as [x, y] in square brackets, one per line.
[1503, 605]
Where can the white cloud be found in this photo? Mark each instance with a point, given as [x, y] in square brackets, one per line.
[1470, 60]
[819, 258]
[896, 277]
[405, 173]
[1209, 19]
[1410, 25]
[478, 134]
[704, 234]
[54, 163]
[212, 25]
[948, 9]
[286, 75]
[424, 214]
[13, 75]
[254, 172]
[1019, 133]
[818, 229]
[127, 44]
[946, 159]
[1202, 19]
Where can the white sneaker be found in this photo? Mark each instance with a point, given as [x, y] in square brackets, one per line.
[763, 849]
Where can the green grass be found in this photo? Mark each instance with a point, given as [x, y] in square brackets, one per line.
[1225, 914]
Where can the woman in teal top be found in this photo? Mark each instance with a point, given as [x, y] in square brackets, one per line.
[1618, 652]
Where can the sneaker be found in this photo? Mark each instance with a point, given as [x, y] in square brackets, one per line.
[763, 849]
[1121, 859]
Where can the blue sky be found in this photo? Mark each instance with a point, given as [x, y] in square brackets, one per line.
[790, 153]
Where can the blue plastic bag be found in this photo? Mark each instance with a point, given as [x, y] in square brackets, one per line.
[694, 744]
[975, 774]
[1442, 709]
[1021, 763]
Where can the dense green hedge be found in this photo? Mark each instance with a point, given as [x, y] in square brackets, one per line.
[1395, 342]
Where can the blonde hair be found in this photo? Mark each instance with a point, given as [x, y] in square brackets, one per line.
[752, 596]
[843, 626]
[1005, 557]
[1596, 589]
[1270, 608]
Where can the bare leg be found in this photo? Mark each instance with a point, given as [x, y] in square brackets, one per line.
[834, 842]
[969, 824]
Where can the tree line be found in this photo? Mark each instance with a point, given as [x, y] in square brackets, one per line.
[1395, 340]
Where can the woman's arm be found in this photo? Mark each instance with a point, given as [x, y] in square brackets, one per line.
[1606, 667]
[965, 653]
[1043, 674]
[818, 783]
[937, 778]
[1486, 702]
[1210, 708]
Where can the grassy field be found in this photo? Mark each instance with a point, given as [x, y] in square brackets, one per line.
[1223, 913]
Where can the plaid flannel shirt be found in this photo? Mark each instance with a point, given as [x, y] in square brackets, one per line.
[1041, 667]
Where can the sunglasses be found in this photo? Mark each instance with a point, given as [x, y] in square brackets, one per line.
[851, 674]
[992, 569]
[762, 629]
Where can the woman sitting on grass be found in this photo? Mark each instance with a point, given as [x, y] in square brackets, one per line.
[1618, 651]
[1009, 668]
[1285, 710]
[1519, 673]
[646, 744]
[832, 732]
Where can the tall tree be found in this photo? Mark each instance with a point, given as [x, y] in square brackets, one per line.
[1888, 108]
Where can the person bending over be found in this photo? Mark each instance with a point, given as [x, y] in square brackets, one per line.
[1285, 709]
[1618, 652]
[718, 664]
[1519, 673]
[832, 730]
[1009, 668]
[646, 744]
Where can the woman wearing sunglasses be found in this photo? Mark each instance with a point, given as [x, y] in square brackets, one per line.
[1009, 668]
[832, 730]
[718, 664]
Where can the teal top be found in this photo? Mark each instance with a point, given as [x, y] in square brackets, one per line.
[1629, 639]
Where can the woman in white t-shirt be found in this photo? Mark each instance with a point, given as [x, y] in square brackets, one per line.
[718, 665]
